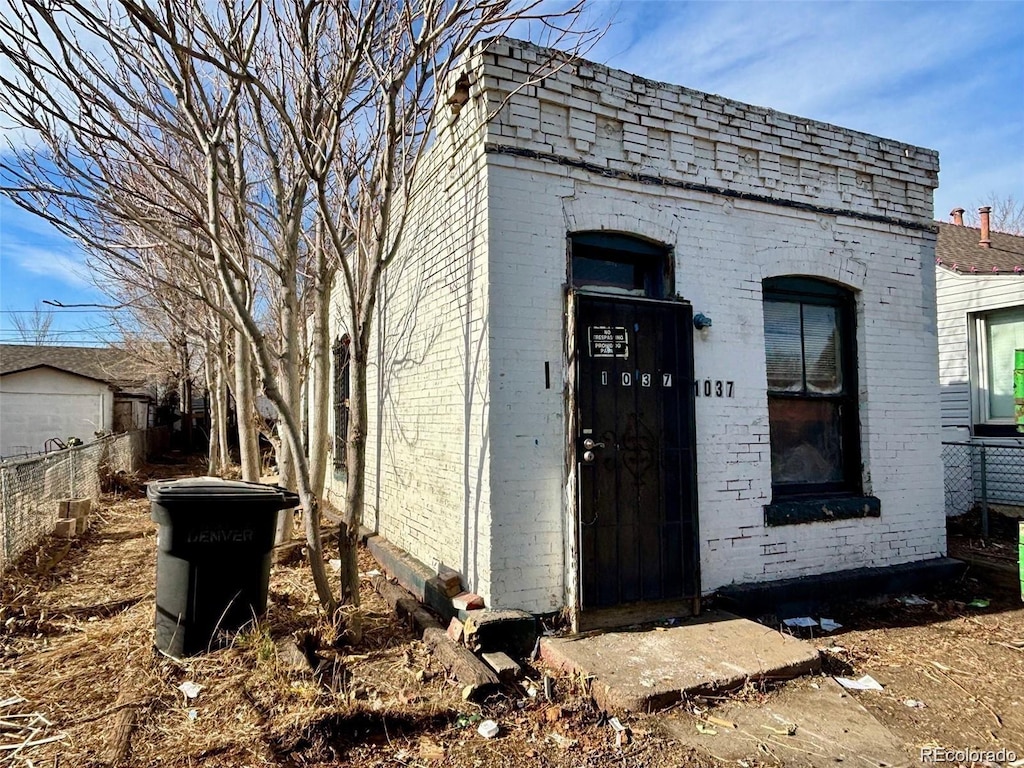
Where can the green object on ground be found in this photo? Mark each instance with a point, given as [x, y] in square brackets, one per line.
[1018, 388]
[979, 603]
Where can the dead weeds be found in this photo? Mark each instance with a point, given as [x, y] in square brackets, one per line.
[77, 662]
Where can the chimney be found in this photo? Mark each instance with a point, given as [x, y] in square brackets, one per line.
[986, 241]
[958, 216]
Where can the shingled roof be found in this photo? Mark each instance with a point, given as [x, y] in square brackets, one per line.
[958, 251]
[114, 366]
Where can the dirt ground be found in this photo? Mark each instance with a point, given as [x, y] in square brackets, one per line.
[82, 685]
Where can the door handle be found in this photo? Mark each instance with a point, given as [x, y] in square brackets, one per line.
[589, 444]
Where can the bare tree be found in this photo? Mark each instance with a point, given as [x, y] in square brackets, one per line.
[275, 141]
[34, 327]
[1007, 214]
[411, 53]
[171, 298]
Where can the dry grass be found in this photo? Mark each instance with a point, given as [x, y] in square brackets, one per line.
[76, 640]
[77, 662]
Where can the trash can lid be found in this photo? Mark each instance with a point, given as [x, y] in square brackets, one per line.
[192, 488]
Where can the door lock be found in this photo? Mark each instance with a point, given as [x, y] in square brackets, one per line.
[588, 456]
[589, 444]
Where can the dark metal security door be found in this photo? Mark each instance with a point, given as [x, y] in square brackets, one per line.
[634, 453]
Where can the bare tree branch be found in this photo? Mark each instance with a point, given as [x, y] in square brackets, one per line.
[224, 162]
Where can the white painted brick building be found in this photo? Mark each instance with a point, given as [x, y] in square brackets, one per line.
[476, 456]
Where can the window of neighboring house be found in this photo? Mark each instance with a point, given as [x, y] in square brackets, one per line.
[998, 334]
[341, 394]
[810, 350]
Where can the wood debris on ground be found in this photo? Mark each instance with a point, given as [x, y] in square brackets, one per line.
[80, 671]
[21, 731]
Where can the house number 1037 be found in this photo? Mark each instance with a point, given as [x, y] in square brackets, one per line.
[712, 388]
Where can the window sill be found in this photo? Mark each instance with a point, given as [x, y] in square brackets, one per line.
[801, 511]
[995, 429]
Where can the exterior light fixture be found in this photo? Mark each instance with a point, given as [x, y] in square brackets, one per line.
[701, 321]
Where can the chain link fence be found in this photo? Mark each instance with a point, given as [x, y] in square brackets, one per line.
[32, 487]
[982, 476]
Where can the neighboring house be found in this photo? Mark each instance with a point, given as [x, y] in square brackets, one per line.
[552, 411]
[50, 394]
[980, 300]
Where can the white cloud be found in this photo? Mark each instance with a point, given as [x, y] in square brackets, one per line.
[42, 261]
[34, 246]
[948, 77]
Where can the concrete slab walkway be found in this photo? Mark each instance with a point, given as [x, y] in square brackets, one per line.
[652, 668]
[811, 722]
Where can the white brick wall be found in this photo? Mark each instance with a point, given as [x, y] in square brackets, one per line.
[740, 193]
[723, 251]
[427, 484]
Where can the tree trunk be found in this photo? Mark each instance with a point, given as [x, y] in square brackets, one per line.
[220, 370]
[214, 461]
[319, 384]
[291, 434]
[355, 464]
[245, 404]
[290, 451]
[185, 396]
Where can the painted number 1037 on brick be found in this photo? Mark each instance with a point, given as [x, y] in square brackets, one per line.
[712, 388]
[627, 379]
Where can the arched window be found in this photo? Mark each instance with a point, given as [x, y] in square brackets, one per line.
[810, 351]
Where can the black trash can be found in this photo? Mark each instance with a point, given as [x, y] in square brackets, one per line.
[213, 557]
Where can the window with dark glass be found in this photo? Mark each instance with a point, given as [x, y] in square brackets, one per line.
[341, 393]
[613, 262]
[812, 391]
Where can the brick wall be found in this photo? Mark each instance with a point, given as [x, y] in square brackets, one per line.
[740, 193]
[427, 486]
[617, 122]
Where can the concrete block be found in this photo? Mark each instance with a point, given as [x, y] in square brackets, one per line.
[79, 508]
[507, 670]
[64, 509]
[66, 529]
[514, 632]
[651, 670]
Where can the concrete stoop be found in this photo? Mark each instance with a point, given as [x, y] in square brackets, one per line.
[649, 669]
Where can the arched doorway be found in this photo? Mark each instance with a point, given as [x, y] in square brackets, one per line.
[631, 433]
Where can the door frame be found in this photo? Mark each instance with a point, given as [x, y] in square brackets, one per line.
[578, 619]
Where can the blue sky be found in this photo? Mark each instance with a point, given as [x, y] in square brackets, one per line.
[944, 75]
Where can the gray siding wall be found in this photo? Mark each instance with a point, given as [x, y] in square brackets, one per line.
[957, 298]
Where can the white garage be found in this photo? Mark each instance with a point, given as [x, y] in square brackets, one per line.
[44, 403]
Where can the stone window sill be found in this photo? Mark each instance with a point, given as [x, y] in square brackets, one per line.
[801, 511]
